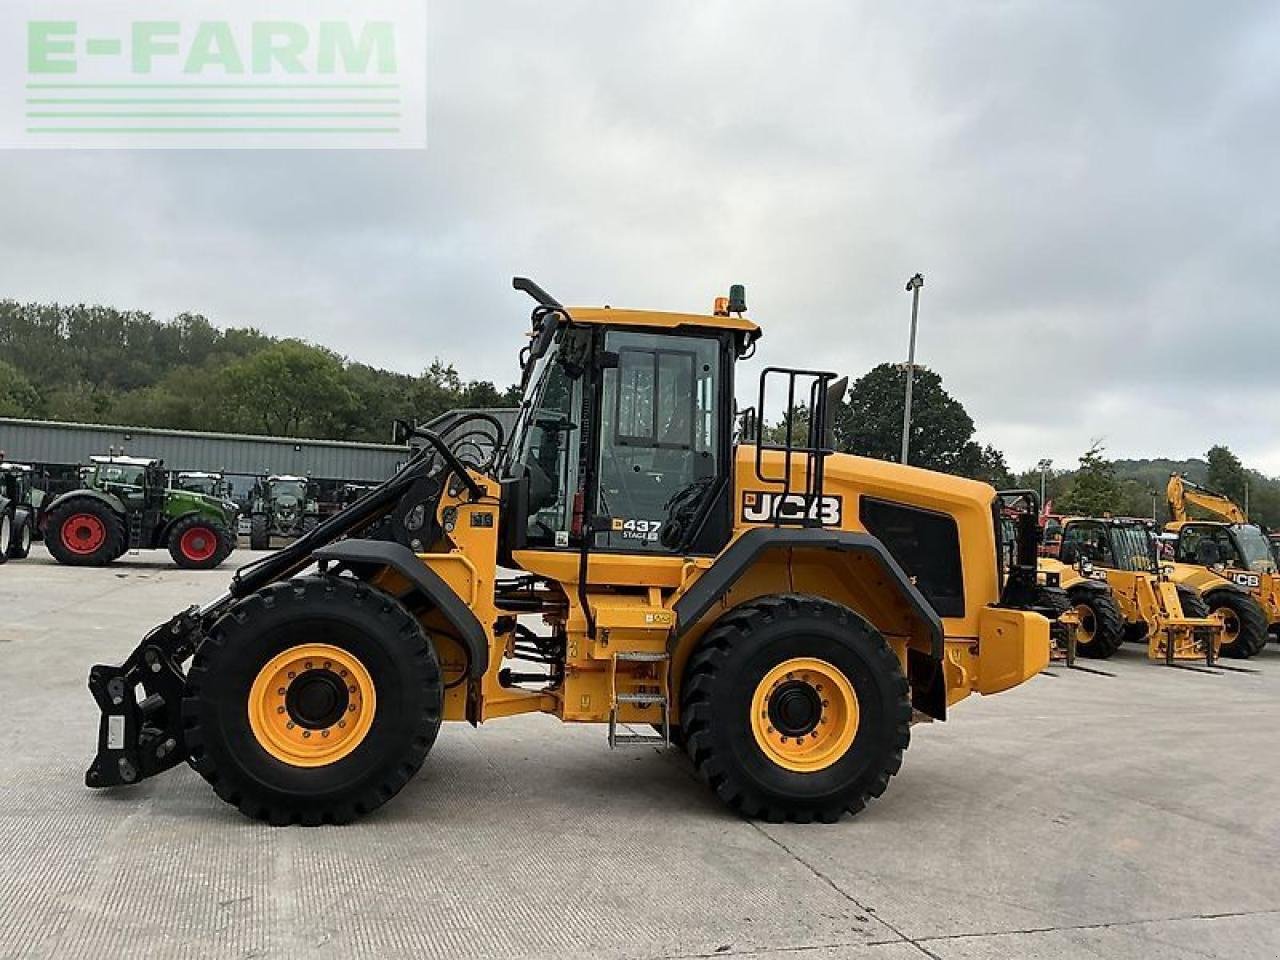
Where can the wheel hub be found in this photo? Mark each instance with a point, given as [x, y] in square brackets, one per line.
[804, 714]
[795, 708]
[311, 705]
[317, 699]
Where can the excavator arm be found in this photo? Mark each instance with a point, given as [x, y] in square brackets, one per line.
[1182, 493]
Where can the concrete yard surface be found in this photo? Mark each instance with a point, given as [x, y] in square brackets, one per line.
[1134, 815]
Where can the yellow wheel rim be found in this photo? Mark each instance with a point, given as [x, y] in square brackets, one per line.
[1230, 626]
[1086, 624]
[804, 714]
[311, 705]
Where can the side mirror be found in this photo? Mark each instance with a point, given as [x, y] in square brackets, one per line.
[1069, 553]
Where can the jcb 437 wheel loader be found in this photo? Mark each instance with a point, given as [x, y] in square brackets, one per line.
[780, 606]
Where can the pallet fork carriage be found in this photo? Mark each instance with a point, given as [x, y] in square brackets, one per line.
[781, 610]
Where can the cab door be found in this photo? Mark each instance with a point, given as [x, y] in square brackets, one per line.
[663, 461]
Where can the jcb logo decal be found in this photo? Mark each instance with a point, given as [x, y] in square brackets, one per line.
[1250, 580]
[760, 507]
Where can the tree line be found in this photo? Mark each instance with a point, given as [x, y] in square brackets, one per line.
[96, 364]
[101, 365]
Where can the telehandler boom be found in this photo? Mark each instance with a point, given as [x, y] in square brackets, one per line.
[783, 607]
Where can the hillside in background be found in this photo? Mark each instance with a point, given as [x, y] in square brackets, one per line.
[101, 365]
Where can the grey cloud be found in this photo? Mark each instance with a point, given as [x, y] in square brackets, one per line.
[1088, 188]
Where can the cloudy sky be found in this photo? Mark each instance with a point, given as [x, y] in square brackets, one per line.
[1090, 189]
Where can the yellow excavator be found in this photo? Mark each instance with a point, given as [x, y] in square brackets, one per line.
[1229, 547]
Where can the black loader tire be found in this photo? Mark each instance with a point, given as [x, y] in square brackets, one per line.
[60, 539]
[198, 543]
[1101, 618]
[259, 532]
[1244, 618]
[20, 544]
[727, 671]
[1135, 632]
[1193, 604]
[361, 622]
[6, 534]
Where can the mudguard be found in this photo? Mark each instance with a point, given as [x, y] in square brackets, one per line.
[368, 556]
[111, 501]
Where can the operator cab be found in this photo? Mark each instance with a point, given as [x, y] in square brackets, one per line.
[1114, 544]
[657, 391]
[1240, 545]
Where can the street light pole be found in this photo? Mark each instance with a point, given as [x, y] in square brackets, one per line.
[1044, 466]
[913, 286]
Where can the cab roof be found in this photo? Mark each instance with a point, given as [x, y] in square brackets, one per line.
[287, 478]
[660, 319]
[15, 467]
[127, 461]
[200, 474]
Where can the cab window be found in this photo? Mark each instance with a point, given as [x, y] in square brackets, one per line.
[659, 443]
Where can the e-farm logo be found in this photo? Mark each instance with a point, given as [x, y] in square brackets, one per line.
[202, 74]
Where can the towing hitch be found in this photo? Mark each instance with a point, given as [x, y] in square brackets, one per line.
[141, 735]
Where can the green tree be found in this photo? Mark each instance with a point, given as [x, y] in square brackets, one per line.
[869, 423]
[1094, 490]
[18, 396]
[1226, 473]
[289, 389]
[984, 462]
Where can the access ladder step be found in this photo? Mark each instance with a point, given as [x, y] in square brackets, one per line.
[640, 698]
[638, 738]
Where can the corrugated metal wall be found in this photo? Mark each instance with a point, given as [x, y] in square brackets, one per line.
[67, 444]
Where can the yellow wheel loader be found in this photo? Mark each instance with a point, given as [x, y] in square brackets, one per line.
[782, 608]
[1208, 552]
[1172, 618]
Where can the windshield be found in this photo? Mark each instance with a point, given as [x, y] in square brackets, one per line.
[285, 489]
[205, 485]
[118, 473]
[545, 444]
[1254, 548]
[1131, 545]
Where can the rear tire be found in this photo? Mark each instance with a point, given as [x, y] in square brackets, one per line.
[1101, 628]
[741, 666]
[361, 625]
[20, 544]
[1246, 623]
[259, 532]
[85, 532]
[6, 536]
[196, 543]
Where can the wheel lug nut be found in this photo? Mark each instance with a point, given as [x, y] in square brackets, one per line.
[292, 674]
[289, 724]
[351, 708]
[279, 709]
[308, 664]
[306, 734]
[280, 691]
[342, 723]
[324, 733]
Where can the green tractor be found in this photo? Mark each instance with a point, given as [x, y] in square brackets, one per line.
[18, 505]
[125, 504]
[282, 506]
[210, 484]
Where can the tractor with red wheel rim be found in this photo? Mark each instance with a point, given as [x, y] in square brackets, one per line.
[124, 504]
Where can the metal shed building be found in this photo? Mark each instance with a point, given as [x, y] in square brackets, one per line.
[50, 443]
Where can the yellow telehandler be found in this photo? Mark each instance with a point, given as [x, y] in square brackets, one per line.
[1173, 618]
[1207, 552]
[781, 607]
